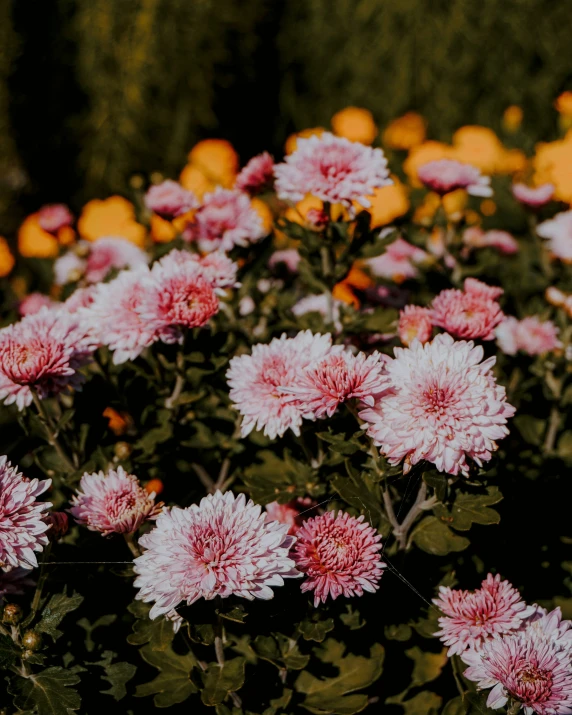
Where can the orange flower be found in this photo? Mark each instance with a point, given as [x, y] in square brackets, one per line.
[553, 164]
[488, 207]
[162, 231]
[216, 159]
[405, 132]
[193, 179]
[356, 279]
[478, 146]
[423, 154]
[114, 216]
[265, 213]
[154, 485]
[355, 124]
[117, 423]
[563, 104]
[292, 140]
[454, 204]
[388, 203]
[6, 258]
[34, 242]
[512, 118]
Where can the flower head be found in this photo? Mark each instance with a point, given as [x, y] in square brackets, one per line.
[257, 175]
[558, 232]
[415, 323]
[333, 169]
[169, 199]
[444, 406]
[533, 197]
[257, 382]
[113, 502]
[475, 237]
[225, 219]
[68, 268]
[54, 216]
[34, 302]
[80, 298]
[112, 252]
[472, 617]
[221, 547]
[339, 555]
[531, 335]
[294, 513]
[22, 527]
[398, 262]
[471, 313]
[289, 257]
[446, 175]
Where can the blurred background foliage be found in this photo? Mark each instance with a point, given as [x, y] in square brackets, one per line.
[93, 92]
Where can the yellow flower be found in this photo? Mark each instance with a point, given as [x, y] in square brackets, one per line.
[6, 258]
[454, 204]
[388, 203]
[552, 163]
[512, 118]
[292, 140]
[162, 231]
[114, 216]
[405, 132]
[216, 159]
[34, 242]
[193, 179]
[298, 213]
[423, 154]
[263, 210]
[478, 146]
[563, 104]
[355, 124]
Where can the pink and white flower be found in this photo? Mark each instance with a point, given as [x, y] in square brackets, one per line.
[113, 502]
[69, 268]
[109, 253]
[333, 169]
[339, 555]
[444, 406]
[472, 617]
[533, 197]
[54, 216]
[223, 546]
[471, 313]
[446, 175]
[34, 302]
[169, 199]
[225, 219]
[558, 232]
[415, 323]
[475, 237]
[294, 513]
[257, 175]
[399, 262]
[549, 626]
[290, 257]
[22, 526]
[531, 335]
[80, 298]
[258, 381]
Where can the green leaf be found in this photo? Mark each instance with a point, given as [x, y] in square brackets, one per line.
[90, 627]
[564, 448]
[281, 651]
[158, 633]
[401, 632]
[173, 684]
[471, 509]
[57, 607]
[8, 651]
[315, 630]
[118, 674]
[352, 619]
[424, 703]
[156, 435]
[281, 480]
[455, 707]
[50, 692]
[434, 537]
[531, 428]
[426, 666]
[220, 681]
[278, 704]
[237, 614]
[354, 491]
[333, 695]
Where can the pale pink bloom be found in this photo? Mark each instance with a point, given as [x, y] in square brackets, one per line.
[531, 335]
[558, 232]
[225, 219]
[80, 298]
[332, 168]
[399, 261]
[54, 216]
[290, 257]
[257, 175]
[109, 253]
[220, 271]
[414, 324]
[113, 502]
[525, 668]
[14, 583]
[533, 197]
[470, 313]
[169, 199]
[549, 627]
[34, 302]
[44, 351]
[294, 513]
[246, 305]
[319, 304]
[339, 555]
[472, 617]
[115, 316]
[336, 378]
[22, 526]
[445, 406]
[446, 175]
[475, 237]
[257, 382]
[221, 547]
[68, 268]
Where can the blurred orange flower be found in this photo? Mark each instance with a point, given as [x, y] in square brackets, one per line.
[356, 279]
[193, 179]
[423, 154]
[162, 231]
[34, 242]
[292, 140]
[388, 203]
[265, 213]
[404, 133]
[355, 124]
[563, 104]
[552, 163]
[512, 118]
[117, 423]
[454, 204]
[6, 258]
[114, 216]
[216, 159]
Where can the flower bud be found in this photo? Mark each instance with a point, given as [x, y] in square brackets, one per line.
[59, 524]
[12, 614]
[122, 450]
[32, 640]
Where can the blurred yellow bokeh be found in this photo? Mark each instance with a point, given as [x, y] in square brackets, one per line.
[216, 159]
[512, 118]
[6, 258]
[552, 163]
[292, 140]
[114, 216]
[404, 133]
[34, 242]
[355, 124]
[388, 203]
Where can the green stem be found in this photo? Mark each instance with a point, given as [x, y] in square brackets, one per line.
[39, 587]
[51, 431]
[132, 544]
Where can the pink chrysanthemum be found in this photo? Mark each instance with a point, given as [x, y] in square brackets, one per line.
[531, 335]
[257, 175]
[471, 313]
[446, 175]
[225, 219]
[294, 513]
[22, 526]
[69, 268]
[33, 303]
[44, 352]
[445, 406]
[399, 261]
[257, 382]
[169, 199]
[54, 216]
[472, 617]
[113, 502]
[533, 197]
[475, 237]
[14, 583]
[339, 554]
[220, 271]
[336, 378]
[80, 298]
[109, 253]
[115, 317]
[558, 232]
[332, 168]
[523, 668]
[221, 547]
[549, 626]
[414, 324]
[289, 257]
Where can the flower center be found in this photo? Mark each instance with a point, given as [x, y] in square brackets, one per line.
[533, 685]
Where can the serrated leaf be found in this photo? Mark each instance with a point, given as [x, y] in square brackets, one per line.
[158, 632]
[424, 703]
[277, 705]
[57, 607]
[471, 509]
[49, 692]
[156, 435]
[434, 537]
[315, 630]
[356, 494]
[173, 684]
[220, 681]
[401, 632]
[90, 627]
[426, 666]
[281, 651]
[237, 614]
[352, 619]
[276, 479]
[118, 674]
[8, 651]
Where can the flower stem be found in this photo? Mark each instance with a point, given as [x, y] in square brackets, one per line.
[552, 431]
[219, 651]
[39, 586]
[131, 543]
[179, 383]
[51, 431]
